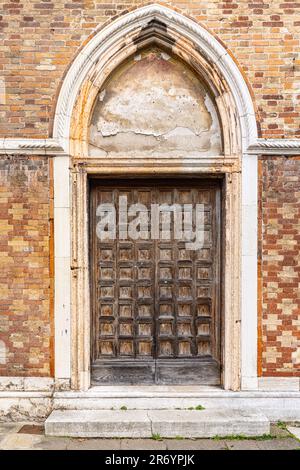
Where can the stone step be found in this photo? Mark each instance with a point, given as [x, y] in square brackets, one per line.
[275, 405]
[146, 423]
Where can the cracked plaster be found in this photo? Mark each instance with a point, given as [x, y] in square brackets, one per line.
[154, 105]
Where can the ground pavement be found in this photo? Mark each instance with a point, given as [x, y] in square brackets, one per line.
[28, 436]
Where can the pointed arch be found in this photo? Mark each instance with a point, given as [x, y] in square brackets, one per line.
[169, 29]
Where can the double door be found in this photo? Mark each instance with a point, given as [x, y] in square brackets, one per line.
[155, 299]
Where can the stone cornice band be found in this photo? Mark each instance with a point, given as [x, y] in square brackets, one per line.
[45, 147]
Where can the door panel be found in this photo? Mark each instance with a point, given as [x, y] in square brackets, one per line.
[156, 303]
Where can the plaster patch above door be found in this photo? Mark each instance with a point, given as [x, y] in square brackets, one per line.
[154, 105]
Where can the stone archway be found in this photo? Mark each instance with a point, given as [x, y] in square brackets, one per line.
[150, 26]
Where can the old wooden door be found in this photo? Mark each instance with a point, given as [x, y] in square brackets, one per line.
[155, 303]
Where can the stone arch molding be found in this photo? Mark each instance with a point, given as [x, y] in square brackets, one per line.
[167, 28]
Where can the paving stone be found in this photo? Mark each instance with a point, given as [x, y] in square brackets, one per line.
[20, 441]
[6, 428]
[142, 444]
[243, 444]
[52, 443]
[295, 431]
[276, 431]
[93, 444]
[279, 444]
[197, 444]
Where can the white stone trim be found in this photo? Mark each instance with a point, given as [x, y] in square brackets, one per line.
[283, 384]
[32, 384]
[47, 147]
[30, 147]
[62, 263]
[249, 273]
[27, 146]
[26, 384]
[275, 147]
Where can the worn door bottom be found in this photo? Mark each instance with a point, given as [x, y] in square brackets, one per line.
[160, 372]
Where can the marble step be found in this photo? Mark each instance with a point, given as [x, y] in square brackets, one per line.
[165, 423]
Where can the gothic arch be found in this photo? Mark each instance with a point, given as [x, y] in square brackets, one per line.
[154, 24]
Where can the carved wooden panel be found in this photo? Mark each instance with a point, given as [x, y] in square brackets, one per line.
[156, 302]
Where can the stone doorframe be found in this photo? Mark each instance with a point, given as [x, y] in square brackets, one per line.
[155, 24]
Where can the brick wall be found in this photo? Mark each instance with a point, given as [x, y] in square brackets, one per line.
[39, 39]
[279, 248]
[25, 323]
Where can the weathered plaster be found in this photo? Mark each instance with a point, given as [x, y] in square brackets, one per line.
[33, 384]
[154, 105]
[25, 406]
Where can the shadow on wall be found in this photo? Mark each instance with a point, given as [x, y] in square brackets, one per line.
[2, 352]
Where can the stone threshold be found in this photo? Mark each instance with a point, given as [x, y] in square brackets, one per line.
[173, 391]
[274, 405]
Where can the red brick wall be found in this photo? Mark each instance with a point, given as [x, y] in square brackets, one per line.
[39, 39]
[25, 323]
[279, 248]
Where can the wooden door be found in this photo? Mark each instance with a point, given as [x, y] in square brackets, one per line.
[156, 313]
